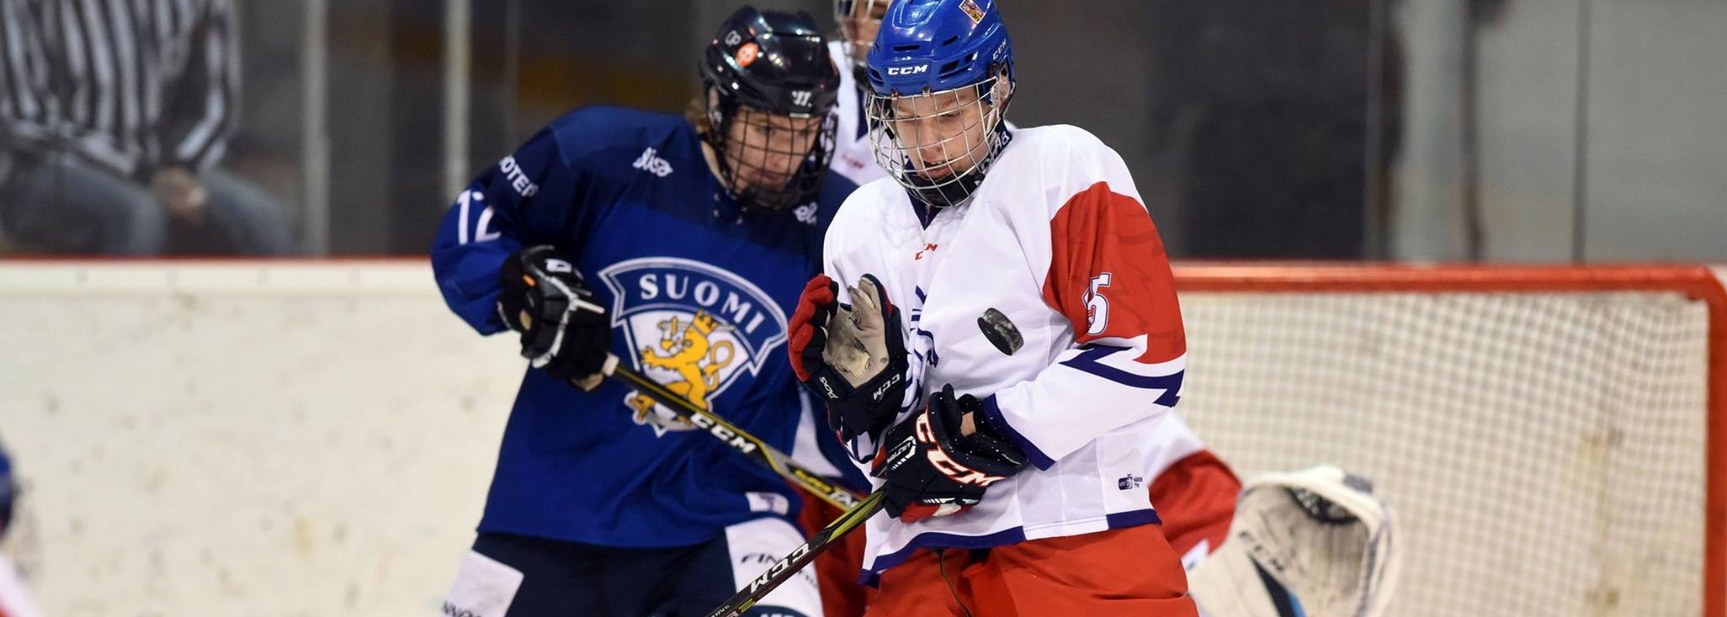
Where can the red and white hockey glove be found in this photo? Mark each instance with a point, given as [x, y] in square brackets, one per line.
[852, 357]
[933, 470]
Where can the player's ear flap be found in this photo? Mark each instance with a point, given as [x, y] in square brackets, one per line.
[1000, 90]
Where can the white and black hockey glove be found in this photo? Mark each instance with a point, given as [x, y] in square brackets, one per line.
[931, 469]
[852, 357]
[565, 330]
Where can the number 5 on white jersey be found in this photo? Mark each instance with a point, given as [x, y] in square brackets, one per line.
[1096, 306]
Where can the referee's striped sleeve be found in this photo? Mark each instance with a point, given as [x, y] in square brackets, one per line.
[204, 117]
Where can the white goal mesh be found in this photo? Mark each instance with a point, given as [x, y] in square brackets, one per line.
[1544, 448]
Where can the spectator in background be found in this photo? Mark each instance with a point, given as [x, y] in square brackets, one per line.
[113, 115]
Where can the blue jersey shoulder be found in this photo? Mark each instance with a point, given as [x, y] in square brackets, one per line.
[606, 131]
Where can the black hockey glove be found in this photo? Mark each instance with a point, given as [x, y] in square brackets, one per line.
[852, 357]
[932, 470]
[564, 329]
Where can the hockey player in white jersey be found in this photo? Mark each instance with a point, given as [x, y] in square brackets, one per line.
[1019, 334]
[1195, 493]
[858, 21]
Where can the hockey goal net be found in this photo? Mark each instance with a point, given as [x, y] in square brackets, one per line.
[1553, 439]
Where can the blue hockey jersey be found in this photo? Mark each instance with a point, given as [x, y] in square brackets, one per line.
[699, 292]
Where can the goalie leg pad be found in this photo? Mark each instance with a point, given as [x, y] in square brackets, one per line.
[1318, 534]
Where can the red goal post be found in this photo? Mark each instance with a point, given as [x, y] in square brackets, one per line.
[1358, 345]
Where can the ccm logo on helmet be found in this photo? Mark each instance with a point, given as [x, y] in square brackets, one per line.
[907, 70]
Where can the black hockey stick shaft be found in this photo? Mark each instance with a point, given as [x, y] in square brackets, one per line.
[856, 511]
[737, 438]
[801, 556]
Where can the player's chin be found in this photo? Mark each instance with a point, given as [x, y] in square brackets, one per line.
[937, 173]
[767, 181]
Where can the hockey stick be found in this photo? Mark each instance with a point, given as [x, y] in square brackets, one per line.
[856, 511]
[737, 438]
[801, 556]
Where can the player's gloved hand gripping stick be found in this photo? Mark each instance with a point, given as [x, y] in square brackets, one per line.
[854, 358]
[956, 470]
[855, 351]
[564, 330]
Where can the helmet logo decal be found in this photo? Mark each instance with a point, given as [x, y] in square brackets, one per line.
[733, 38]
[970, 9]
[747, 54]
[908, 70]
[801, 98]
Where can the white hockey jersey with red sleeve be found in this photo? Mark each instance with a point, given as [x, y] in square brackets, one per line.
[853, 157]
[1058, 241]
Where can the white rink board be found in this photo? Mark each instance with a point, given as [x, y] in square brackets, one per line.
[316, 438]
[247, 439]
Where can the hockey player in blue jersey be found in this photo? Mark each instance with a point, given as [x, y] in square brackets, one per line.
[679, 245]
[15, 600]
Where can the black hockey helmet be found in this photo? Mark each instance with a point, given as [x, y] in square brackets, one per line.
[769, 85]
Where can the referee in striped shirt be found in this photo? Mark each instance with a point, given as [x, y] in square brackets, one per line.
[113, 115]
